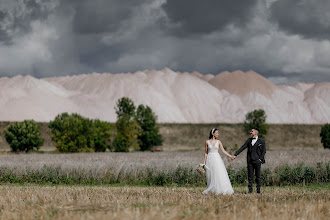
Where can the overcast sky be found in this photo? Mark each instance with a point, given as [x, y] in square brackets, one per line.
[286, 41]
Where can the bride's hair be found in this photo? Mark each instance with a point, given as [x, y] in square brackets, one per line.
[212, 132]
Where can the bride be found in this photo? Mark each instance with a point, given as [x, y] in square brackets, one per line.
[216, 174]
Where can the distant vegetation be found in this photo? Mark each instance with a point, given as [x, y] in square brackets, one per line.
[135, 127]
[256, 119]
[325, 135]
[24, 136]
[74, 133]
[127, 127]
[191, 137]
[150, 135]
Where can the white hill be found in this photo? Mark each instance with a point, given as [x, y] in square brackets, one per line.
[175, 97]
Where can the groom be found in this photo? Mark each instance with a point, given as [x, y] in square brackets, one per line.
[255, 157]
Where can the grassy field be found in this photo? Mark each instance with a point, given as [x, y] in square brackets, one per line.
[113, 185]
[91, 202]
[280, 137]
[191, 137]
[159, 168]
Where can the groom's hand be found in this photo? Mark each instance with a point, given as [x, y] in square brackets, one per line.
[233, 157]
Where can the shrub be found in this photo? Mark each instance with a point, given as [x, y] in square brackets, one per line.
[102, 135]
[71, 133]
[180, 176]
[24, 136]
[241, 175]
[149, 131]
[256, 119]
[74, 133]
[325, 136]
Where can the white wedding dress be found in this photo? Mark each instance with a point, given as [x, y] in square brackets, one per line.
[216, 176]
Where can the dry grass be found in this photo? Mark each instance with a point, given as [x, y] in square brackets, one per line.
[86, 202]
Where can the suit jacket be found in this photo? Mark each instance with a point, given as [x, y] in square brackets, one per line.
[255, 152]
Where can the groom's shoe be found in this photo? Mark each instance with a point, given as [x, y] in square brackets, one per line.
[258, 191]
[250, 190]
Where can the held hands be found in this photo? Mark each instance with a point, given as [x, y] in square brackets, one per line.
[233, 157]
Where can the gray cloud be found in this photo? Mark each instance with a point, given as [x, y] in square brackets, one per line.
[198, 17]
[308, 18]
[101, 16]
[16, 16]
[47, 38]
[4, 36]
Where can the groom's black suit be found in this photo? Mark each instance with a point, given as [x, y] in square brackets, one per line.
[255, 157]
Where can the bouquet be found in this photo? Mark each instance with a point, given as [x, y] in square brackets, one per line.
[201, 168]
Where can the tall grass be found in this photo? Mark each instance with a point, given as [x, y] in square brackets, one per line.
[164, 168]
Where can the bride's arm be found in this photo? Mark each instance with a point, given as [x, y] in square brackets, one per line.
[206, 152]
[223, 150]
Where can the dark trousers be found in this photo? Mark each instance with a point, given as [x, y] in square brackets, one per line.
[254, 167]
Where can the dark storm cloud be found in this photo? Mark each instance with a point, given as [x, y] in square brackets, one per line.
[17, 19]
[308, 18]
[200, 16]
[99, 16]
[4, 37]
[94, 20]
[66, 37]
[96, 54]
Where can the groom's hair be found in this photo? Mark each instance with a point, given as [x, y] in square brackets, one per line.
[257, 129]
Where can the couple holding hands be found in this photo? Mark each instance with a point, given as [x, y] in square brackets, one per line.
[216, 175]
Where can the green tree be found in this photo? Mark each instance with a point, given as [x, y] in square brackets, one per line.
[71, 133]
[325, 136]
[256, 119]
[149, 131]
[74, 133]
[126, 126]
[125, 106]
[102, 135]
[127, 134]
[24, 136]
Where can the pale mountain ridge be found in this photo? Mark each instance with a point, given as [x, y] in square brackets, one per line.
[174, 97]
[25, 97]
[240, 83]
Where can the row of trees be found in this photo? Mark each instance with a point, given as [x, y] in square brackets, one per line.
[135, 128]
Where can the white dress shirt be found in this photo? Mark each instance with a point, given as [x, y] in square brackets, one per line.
[254, 140]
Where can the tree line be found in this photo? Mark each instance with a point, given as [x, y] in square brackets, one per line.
[135, 129]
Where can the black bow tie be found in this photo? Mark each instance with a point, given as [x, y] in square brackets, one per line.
[254, 138]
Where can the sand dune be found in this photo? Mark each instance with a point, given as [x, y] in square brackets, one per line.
[174, 96]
